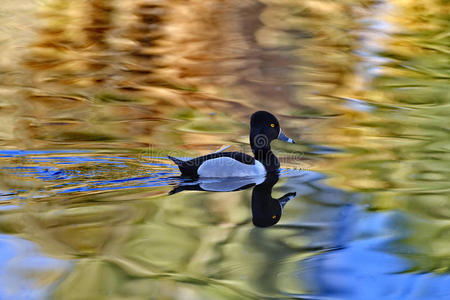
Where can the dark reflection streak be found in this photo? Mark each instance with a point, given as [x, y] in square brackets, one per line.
[100, 23]
[141, 62]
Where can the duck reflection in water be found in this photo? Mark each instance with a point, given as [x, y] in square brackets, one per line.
[266, 210]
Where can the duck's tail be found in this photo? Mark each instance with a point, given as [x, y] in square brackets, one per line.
[177, 161]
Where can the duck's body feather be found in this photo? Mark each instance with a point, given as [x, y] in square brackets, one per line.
[229, 167]
[222, 164]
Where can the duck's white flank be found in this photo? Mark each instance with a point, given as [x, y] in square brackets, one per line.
[229, 167]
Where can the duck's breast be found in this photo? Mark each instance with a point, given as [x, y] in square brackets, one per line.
[229, 167]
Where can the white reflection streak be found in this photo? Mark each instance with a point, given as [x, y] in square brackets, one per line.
[377, 29]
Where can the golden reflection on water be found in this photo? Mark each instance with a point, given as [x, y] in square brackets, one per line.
[369, 78]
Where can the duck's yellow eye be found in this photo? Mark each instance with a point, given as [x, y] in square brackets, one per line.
[274, 217]
[272, 125]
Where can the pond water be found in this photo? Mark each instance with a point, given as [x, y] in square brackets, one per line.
[95, 94]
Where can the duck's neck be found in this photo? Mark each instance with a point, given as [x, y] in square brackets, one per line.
[267, 158]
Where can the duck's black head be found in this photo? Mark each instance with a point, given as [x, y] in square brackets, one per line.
[264, 128]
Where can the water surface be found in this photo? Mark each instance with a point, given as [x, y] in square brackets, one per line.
[95, 94]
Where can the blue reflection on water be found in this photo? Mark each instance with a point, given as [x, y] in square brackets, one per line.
[14, 153]
[364, 268]
[83, 168]
[21, 264]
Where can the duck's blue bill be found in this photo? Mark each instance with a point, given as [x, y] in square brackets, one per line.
[283, 137]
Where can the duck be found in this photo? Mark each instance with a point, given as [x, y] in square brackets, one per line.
[264, 128]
